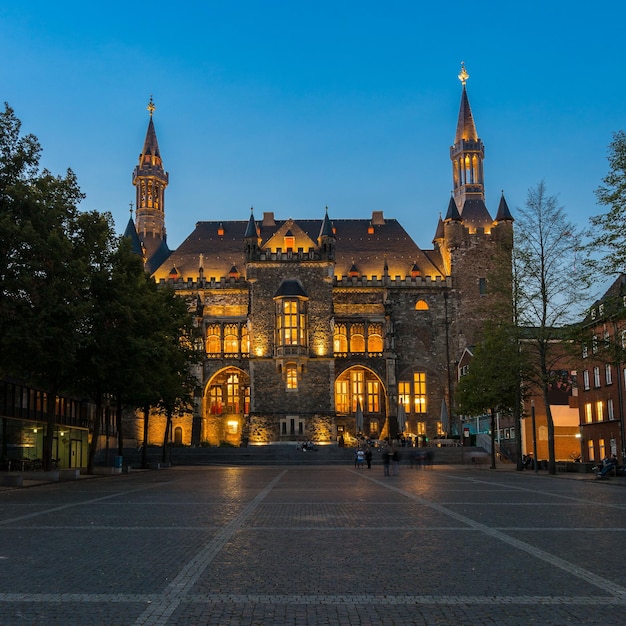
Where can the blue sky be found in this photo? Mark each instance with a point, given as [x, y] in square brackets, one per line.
[292, 106]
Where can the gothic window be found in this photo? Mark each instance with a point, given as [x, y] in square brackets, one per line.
[232, 393]
[213, 339]
[419, 391]
[373, 399]
[292, 376]
[215, 400]
[375, 338]
[404, 394]
[245, 340]
[291, 322]
[341, 396]
[356, 383]
[231, 339]
[341, 338]
[357, 338]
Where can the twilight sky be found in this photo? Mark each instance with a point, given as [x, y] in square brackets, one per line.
[291, 106]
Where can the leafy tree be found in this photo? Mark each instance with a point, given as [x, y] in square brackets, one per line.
[550, 288]
[493, 379]
[608, 232]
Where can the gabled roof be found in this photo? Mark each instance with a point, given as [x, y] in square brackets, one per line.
[354, 244]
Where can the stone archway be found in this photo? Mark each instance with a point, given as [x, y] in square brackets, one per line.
[225, 407]
[359, 385]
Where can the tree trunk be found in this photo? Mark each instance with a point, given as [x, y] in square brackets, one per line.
[166, 436]
[493, 439]
[95, 436]
[144, 449]
[50, 428]
[120, 434]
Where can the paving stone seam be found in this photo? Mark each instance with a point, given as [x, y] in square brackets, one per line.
[568, 567]
[158, 613]
[303, 599]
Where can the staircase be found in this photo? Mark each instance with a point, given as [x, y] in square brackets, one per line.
[285, 454]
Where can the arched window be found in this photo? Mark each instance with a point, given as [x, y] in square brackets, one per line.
[213, 339]
[231, 339]
[178, 436]
[232, 393]
[375, 338]
[245, 340]
[291, 370]
[421, 305]
[341, 338]
[357, 339]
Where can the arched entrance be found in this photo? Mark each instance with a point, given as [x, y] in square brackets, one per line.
[226, 406]
[360, 388]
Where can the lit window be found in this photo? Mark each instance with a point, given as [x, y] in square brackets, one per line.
[608, 374]
[215, 400]
[231, 339]
[213, 339]
[421, 305]
[232, 394]
[375, 338]
[421, 428]
[588, 413]
[419, 391]
[439, 429]
[341, 396]
[602, 448]
[357, 379]
[600, 411]
[373, 427]
[373, 396]
[292, 375]
[290, 242]
[341, 339]
[291, 322]
[590, 450]
[357, 339]
[404, 394]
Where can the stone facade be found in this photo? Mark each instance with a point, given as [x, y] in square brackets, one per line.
[320, 329]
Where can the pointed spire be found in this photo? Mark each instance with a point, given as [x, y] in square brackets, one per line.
[453, 212]
[327, 229]
[465, 128]
[503, 215]
[251, 230]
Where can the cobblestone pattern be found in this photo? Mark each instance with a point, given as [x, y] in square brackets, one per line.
[314, 545]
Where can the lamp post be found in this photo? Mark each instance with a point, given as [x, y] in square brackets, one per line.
[532, 413]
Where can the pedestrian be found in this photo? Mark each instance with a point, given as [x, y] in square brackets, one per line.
[368, 457]
[395, 461]
[359, 457]
[386, 460]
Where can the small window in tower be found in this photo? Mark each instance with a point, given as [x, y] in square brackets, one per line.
[292, 376]
[482, 286]
[421, 305]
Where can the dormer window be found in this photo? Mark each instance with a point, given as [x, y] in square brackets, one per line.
[354, 271]
[593, 314]
[370, 229]
[220, 230]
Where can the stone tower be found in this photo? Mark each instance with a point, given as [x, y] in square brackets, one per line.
[150, 181]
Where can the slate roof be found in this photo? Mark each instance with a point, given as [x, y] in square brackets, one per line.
[354, 245]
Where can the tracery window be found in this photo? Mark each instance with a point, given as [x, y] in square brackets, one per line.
[357, 338]
[404, 394]
[340, 338]
[231, 339]
[232, 393]
[213, 339]
[375, 338]
[245, 340]
[356, 383]
[215, 400]
[291, 370]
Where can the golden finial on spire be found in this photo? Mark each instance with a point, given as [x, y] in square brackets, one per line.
[463, 76]
[151, 107]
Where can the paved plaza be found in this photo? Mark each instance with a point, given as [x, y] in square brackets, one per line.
[327, 545]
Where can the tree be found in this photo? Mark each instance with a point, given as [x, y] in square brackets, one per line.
[42, 276]
[493, 379]
[551, 285]
[608, 232]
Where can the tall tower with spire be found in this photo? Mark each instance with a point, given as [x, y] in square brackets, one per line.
[150, 181]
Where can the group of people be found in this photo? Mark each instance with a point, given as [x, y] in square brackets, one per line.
[362, 456]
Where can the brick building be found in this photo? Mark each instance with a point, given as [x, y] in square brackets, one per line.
[602, 376]
[320, 328]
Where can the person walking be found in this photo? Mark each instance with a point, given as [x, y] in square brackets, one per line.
[386, 460]
[368, 457]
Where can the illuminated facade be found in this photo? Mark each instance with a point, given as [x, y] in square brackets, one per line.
[310, 323]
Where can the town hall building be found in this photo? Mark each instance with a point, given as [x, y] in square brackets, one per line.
[326, 328]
